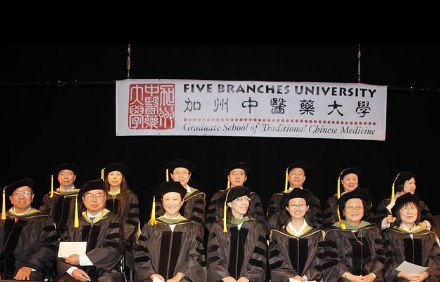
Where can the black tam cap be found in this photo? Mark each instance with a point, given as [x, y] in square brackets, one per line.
[301, 164]
[400, 179]
[20, 183]
[296, 193]
[121, 167]
[402, 200]
[65, 166]
[96, 184]
[237, 192]
[167, 187]
[349, 170]
[242, 165]
[362, 194]
[189, 165]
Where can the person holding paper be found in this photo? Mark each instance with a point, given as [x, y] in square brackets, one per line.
[60, 203]
[353, 248]
[194, 204]
[403, 182]
[123, 202]
[237, 244]
[293, 248]
[102, 231]
[296, 174]
[349, 180]
[236, 175]
[409, 242]
[27, 237]
[170, 248]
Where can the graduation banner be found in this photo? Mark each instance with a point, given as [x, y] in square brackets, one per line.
[250, 108]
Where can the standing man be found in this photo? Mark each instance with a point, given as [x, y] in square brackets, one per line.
[27, 236]
[60, 204]
[102, 231]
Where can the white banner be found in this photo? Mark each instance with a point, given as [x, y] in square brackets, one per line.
[251, 108]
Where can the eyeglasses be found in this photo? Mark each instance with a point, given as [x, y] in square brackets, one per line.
[96, 196]
[177, 172]
[242, 199]
[237, 173]
[409, 208]
[351, 208]
[66, 174]
[25, 194]
[297, 205]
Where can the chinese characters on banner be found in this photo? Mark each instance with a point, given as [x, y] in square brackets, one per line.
[245, 108]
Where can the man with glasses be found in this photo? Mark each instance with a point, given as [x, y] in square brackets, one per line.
[102, 231]
[28, 237]
[236, 174]
[60, 204]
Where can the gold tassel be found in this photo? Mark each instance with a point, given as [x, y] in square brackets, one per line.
[102, 174]
[392, 187]
[228, 185]
[287, 181]
[4, 205]
[225, 229]
[340, 220]
[51, 186]
[338, 193]
[76, 223]
[167, 178]
[152, 220]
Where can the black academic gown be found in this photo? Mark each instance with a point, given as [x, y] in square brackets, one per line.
[422, 249]
[30, 242]
[274, 210]
[104, 245]
[330, 215]
[238, 252]
[129, 215]
[359, 252]
[291, 255]
[216, 206]
[163, 251]
[424, 213]
[193, 209]
[60, 208]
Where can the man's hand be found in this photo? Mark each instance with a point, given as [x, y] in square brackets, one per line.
[23, 273]
[80, 275]
[72, 259]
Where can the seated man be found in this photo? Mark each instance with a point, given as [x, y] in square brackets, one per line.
[102, 231]
[28, 237]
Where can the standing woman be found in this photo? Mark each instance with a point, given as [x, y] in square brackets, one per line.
[407, 241]
[170, 248]
[123, 202]
[353, 249]
[293, 248]
[404, 182]
[237, 244]
[194, 201]
[349, 180]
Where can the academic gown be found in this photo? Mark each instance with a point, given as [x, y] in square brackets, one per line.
[60, 207]
[359, 251]
[30, 242]
[193, 209]
[129, 216]
[424, 213]
[274, 210]
[422, 249]
[238, 252]
[104, 244]
[163, 251]
[291, 255]
[330, 215]
[216, 206]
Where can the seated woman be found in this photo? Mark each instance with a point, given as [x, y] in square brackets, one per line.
[407, 241]
[293, 248]
[353, 249]
[170, 248]
[237, 244]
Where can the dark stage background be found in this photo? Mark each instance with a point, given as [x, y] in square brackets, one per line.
[43, 124]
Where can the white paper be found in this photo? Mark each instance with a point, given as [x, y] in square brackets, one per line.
[155, 279]
[411, 268]
[391, 205]
[69, 248]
